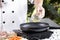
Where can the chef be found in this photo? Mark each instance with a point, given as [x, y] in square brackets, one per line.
[39, 10]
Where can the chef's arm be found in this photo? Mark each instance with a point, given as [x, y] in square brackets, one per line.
[40, 11]
[38, 3]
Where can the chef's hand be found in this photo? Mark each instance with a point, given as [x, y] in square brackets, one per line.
[40, 12]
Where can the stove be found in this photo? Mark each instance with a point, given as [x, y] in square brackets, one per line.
[34, 35]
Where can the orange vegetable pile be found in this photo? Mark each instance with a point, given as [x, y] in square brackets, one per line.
[15, 38]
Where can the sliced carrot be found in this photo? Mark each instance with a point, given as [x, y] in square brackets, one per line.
[15, 38]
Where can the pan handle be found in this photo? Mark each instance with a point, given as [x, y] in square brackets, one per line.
[51, 27]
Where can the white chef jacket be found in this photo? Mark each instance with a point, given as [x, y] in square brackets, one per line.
[20, 14]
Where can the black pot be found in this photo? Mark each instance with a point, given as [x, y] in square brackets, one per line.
[34, 26]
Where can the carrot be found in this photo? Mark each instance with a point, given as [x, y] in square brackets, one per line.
[15, 38]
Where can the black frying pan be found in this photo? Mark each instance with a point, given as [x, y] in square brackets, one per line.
[34, 26]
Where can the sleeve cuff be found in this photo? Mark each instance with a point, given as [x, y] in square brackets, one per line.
[31, 1]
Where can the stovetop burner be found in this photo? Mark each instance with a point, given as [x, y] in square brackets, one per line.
[34, 35]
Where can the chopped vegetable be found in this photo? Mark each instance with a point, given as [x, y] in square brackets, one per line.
[15, 38]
